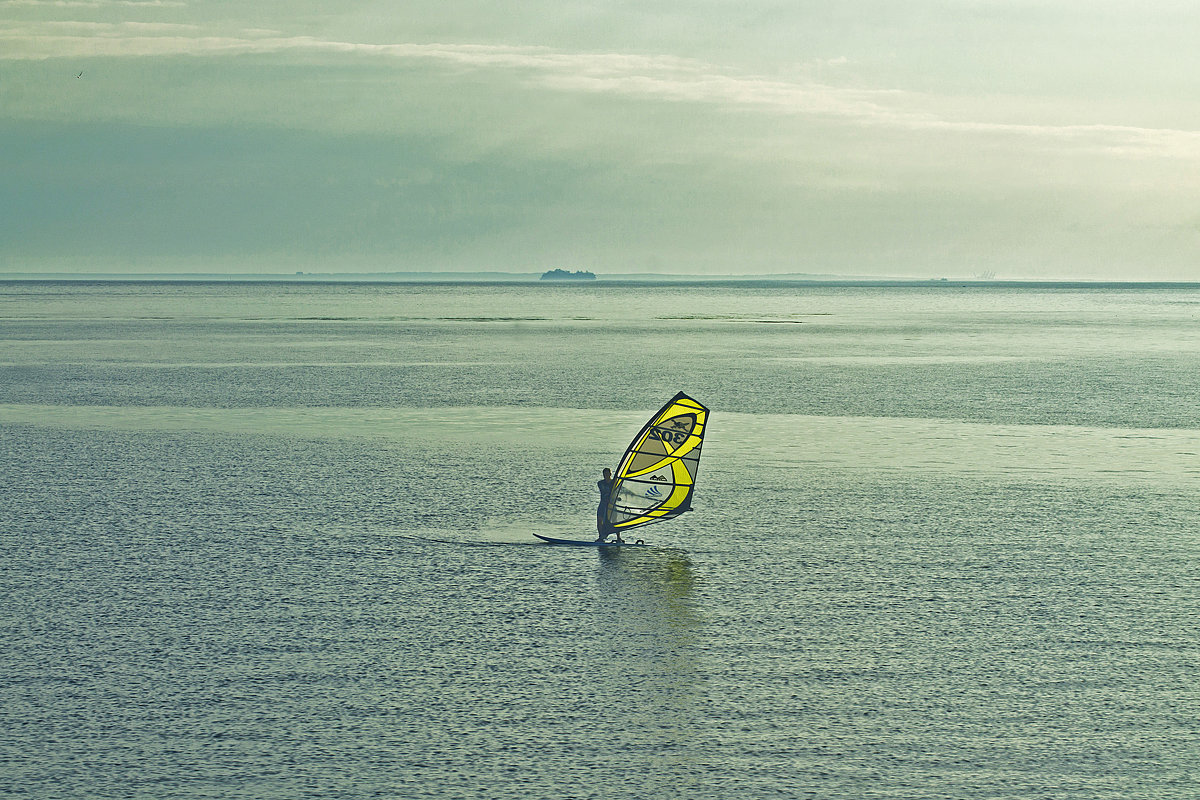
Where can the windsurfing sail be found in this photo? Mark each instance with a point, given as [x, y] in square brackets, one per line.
[657, 474]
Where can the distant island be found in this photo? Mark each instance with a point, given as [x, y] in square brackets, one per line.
[563, 275]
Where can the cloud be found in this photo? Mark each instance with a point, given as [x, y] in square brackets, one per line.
[93, 3]
[658, 78]
[73, 29]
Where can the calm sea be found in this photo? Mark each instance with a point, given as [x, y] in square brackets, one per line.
[274, 541]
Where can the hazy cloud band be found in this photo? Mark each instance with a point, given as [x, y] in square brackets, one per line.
[661, 78]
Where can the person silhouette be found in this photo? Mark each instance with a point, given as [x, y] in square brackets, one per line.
[603, 529]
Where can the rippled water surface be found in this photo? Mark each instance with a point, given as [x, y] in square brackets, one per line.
[274, 541]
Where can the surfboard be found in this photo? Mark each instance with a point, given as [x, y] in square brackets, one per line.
[592, 543]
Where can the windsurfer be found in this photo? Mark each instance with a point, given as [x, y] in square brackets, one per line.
[603, 529]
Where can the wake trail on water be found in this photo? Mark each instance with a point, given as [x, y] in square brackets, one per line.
[498, 534]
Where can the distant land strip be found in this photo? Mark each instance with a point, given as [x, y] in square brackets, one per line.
[536, 277]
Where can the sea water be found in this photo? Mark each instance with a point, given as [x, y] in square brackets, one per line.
[274, 540]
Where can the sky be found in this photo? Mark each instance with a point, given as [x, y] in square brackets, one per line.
[923, 138]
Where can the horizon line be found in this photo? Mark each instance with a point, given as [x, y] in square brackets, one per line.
[496, 276]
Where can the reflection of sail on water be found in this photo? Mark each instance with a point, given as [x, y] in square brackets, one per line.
[654, 626]
[658, 581]
[657, 474]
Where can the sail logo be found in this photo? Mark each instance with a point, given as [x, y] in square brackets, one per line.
[653, 492]
[669, 437]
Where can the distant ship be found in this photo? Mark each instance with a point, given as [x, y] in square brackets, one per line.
[563, 275]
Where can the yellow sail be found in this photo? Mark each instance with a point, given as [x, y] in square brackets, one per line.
[657, 475]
